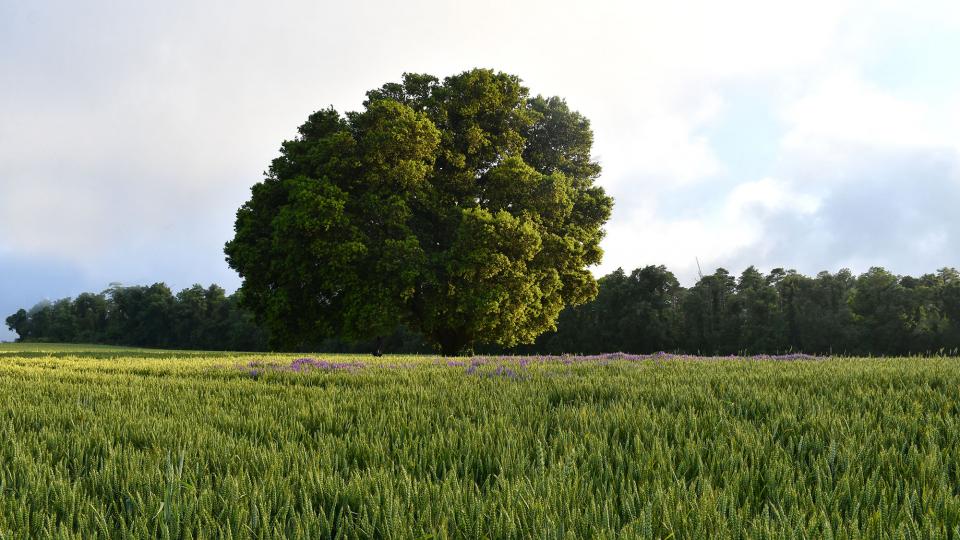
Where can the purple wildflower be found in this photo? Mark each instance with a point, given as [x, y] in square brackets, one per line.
[305, 364]
[503, 371]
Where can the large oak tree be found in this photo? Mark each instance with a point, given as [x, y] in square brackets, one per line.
[464, 209]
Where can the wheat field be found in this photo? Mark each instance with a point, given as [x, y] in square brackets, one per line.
[101, 442]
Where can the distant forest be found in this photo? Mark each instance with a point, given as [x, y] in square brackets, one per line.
[647, 310]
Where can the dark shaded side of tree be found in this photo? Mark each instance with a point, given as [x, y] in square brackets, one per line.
[876, 313]
[647, 310]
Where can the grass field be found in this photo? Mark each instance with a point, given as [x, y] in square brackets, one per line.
[108, 443]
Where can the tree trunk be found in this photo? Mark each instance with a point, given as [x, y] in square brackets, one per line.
[452, 343]
[379, 345]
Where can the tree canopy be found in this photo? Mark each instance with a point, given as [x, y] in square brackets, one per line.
[464, 209]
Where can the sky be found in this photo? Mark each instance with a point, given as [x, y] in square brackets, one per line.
[813, 135]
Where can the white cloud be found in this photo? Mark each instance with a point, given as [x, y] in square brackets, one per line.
[845, 111]
[735, 224]
[768, 196]
[660, 148]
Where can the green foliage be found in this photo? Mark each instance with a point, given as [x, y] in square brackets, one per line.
[19, 322]
[636, 312]
[196, 318]
[465, 210]
[114, 444]
[876, 313]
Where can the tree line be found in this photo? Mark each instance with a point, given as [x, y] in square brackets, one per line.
[195, 318]
[647, 310]
[876, 313]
